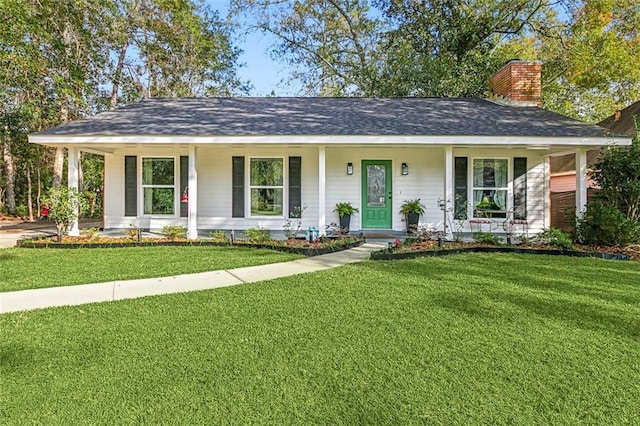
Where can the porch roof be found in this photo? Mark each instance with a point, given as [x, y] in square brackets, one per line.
[220, 117]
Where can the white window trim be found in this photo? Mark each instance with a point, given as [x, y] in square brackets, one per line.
[285, 192]
[471, 187]
[175, 186]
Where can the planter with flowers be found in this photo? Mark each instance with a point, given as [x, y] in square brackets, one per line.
[412, 209]
[345, 210]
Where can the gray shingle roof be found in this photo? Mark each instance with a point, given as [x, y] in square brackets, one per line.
[327, 116]
[624, 125]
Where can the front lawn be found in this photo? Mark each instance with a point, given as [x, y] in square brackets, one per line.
[466, 339]
[22, 269]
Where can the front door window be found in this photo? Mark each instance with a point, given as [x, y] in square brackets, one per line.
[376, 187]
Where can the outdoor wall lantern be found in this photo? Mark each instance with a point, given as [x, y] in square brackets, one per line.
[349, 168]
[405, 169]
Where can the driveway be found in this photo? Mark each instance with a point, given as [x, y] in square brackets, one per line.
[10, 234]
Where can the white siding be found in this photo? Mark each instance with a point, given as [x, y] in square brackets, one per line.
[425, 181]
[536, 183]
[114, 189]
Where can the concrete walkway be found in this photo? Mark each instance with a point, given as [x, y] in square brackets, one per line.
[25, 300]
[10, 235]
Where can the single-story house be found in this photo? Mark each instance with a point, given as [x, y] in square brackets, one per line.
[238, 163]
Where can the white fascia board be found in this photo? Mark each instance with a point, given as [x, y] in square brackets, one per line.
[524, 141]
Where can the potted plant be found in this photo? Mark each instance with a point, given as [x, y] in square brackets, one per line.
[412, 209]
[345, 210]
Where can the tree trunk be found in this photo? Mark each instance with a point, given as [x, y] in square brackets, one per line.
[10, 177]
[29, 197]
[118, 75]
[39, 193]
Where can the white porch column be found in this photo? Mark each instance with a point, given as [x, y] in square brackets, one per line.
[73, 177]
[192, 224]
[322, 189]
[581, 181]
[547, 192]
[449, 199]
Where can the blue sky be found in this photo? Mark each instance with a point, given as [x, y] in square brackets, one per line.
[264, 73]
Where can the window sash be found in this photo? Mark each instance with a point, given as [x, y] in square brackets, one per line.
[158, 186]
[266, 192]
[490, 191]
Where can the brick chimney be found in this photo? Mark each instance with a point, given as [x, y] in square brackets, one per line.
[517, 83]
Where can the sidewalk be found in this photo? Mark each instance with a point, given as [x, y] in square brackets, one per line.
[25, 300]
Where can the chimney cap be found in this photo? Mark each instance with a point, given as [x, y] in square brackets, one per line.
[521, 61]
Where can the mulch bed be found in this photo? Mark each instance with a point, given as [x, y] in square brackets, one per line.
[431, 248]
[296, 246]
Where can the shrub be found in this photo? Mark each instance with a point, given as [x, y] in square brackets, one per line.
[132, 231]
[22, 210]
[172, 232]
[257, 235]
[606, 225]
[65, 206]
[90, 233]
[487, 238]
[554, 237]
[617, 173]
[422, 233]
[293, 224]
[219, 236]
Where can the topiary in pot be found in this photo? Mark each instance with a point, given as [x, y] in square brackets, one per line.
[412, 209]
[345, 210]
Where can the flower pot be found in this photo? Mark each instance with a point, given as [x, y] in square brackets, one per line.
[412, 220]
[345, 221]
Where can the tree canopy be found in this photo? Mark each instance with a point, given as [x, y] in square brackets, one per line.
[589, 48]
[65, 59]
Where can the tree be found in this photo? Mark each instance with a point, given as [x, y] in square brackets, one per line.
[448, 47]
[590, 59]
[172, 49]
[331, 44]
[65, 206]
[617, 173]
[59, 58]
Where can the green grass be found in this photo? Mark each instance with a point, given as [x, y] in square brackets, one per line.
[37, 268]
[468, 339]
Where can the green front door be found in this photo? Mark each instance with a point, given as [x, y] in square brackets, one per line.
[376, 194]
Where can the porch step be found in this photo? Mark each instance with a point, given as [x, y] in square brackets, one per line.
[384, 236]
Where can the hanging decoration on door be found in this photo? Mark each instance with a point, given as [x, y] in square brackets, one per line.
[185, 195]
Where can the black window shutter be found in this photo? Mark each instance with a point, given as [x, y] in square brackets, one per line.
[237, 198]
[295, 186]
[184, 182]
[520, 187]
[460, 188]
[130, 185]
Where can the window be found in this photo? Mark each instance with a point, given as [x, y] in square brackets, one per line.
[158, 185]
[266, 186]
[490, 189]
